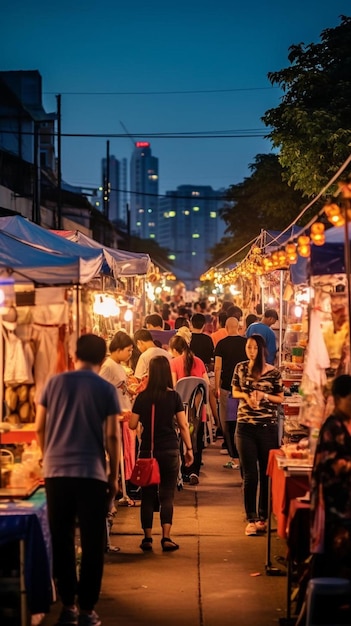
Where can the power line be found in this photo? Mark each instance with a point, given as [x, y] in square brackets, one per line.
[158, 93]
[183, 135]
[160, 195]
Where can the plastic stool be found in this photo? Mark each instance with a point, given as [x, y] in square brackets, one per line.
[324, 587]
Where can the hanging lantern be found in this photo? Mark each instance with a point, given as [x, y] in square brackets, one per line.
[317, 234]
[334, 214]
[268, 263]
[275, 259]
[291, 253]
[282, 257]
[303, 246]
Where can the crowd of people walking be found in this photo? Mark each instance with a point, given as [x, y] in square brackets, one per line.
[155, 393]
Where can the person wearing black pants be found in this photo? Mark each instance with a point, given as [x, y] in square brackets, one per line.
[76, 424]
[68, 500]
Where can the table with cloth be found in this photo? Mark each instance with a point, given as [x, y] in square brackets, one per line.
[285, 486]
[288, 483]
[25, 522]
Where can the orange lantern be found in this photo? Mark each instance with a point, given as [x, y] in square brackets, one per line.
[268, 263]
[334, 215]
[275, 259]
[317, 234]
[282, 258]
[291, 253]
[303, 246]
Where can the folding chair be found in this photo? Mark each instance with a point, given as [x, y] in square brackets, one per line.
[193, 391]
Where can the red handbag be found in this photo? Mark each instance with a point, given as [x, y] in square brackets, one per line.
[146, 472]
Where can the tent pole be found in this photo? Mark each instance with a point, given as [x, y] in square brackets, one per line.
[280, 318]
[347, 266]
[77, 311]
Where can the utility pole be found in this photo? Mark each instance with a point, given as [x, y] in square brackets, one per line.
[106, 190]
[58, 219]
[128, 226]
[36, 186]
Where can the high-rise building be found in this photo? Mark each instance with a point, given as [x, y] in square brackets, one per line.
[143, 192]
[189, 225]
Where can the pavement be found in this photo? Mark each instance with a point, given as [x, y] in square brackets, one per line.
[216, 578]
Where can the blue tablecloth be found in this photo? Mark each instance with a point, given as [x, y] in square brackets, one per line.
[27, 520]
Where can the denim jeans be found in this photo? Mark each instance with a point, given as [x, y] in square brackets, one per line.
[228, 427]
[254, 441]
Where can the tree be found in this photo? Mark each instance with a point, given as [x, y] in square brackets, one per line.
[311, 127]
[261, 201]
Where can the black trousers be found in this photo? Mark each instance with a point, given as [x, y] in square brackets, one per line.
[162, 494]
[82, 500]
[195, 467]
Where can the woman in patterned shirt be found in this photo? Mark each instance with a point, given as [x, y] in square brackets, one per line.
[258, 386]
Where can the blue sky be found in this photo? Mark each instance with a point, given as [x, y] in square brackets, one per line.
[222, 50]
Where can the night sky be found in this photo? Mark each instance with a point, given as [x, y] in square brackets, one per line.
[110, 60]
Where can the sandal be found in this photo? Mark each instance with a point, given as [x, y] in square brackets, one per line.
[146, 544]
[168, 545]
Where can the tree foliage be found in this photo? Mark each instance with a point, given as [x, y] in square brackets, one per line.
[312, 125]
[262, 201]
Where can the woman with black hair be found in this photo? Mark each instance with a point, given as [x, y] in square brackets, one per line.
[168, 413]
[185, 363]
[258, 386]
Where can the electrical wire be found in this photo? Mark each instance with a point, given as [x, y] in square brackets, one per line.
[234, 134]
[157, 93]
[318, 196]
[306, 227]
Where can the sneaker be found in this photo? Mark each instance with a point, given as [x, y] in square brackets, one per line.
[223, 451]
[68, 617]
[193, 479]
[89, 619]
[251, 530]
[231, 465]
[261, 526]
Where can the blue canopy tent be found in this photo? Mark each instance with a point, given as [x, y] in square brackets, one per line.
[28, 263]
[121, 262]
[88, 261]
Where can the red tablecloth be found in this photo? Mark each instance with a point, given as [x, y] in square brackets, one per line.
[284, 490]
[26, 434]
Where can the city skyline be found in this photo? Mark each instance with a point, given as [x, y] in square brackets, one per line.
[160, 72]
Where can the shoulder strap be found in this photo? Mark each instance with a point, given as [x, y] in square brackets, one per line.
[152, 428]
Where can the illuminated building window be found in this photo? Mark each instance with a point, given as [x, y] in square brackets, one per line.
[97, 203]
[149, 210]
[151, 224]
[172, 257]
[196, 208]
[195, 193]
[152, 235]
[186, 212]
[138, 223]
[153, 177]
[195, 236]
[213, 214]
[193, 254]
[141, 211]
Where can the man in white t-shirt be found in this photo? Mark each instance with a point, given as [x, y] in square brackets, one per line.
[144, 343]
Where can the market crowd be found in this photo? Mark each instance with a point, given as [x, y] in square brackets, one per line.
[188, 369]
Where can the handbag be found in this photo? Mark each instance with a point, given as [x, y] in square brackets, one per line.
[146, 472]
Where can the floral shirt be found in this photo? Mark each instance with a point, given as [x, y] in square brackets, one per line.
[331, 487]
[270, 382]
